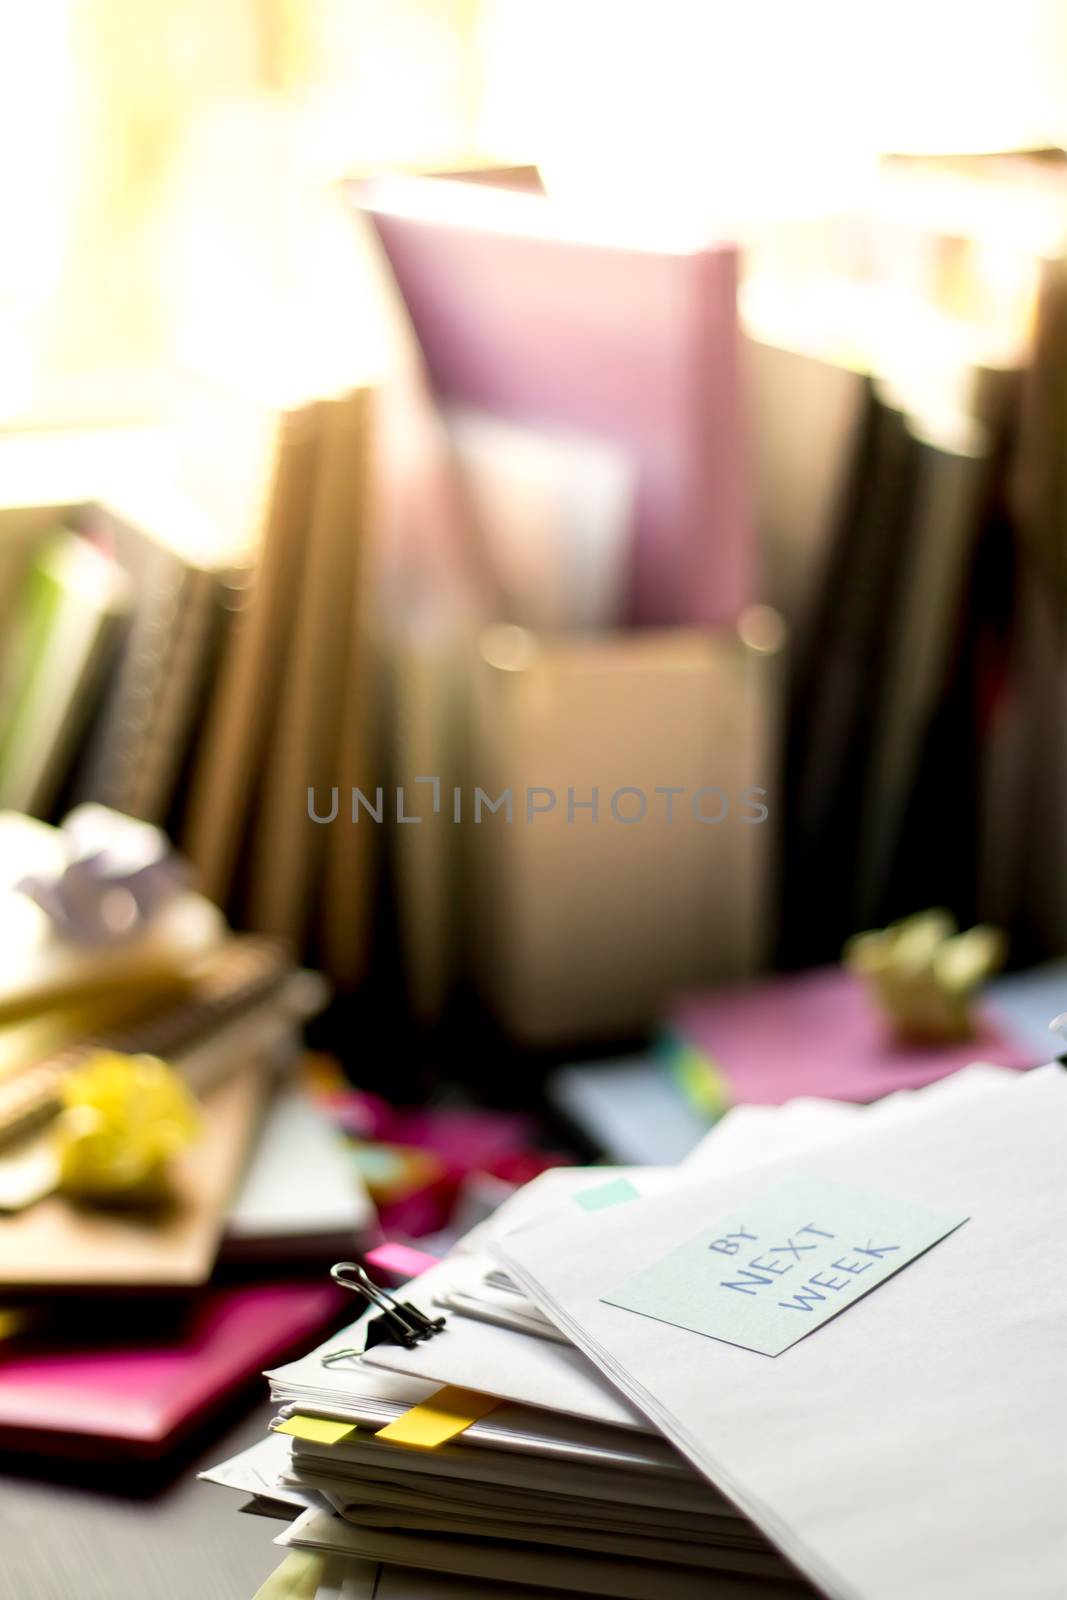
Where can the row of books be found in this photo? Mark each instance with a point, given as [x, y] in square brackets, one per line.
[548, 509]
[886, 400]
[581, 443]
[186, 651]
[918, 362]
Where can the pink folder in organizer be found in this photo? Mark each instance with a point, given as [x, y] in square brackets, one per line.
[818, 1033]
[135, 1391]
[528, 314]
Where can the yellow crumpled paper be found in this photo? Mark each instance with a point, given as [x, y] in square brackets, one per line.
[123, 1119]
[923, 974]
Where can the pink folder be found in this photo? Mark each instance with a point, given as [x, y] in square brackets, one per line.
[818, 1033]
[136, 1397]
[523, 312]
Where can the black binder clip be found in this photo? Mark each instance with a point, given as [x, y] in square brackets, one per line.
[398, 1321]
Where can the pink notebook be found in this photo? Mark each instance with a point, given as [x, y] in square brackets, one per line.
[524, 313]
[137, 1398]
[818, 1034]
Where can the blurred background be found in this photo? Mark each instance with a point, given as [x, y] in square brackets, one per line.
[523, 530]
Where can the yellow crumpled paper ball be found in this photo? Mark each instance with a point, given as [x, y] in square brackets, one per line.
[923, 974]
[123, 1119]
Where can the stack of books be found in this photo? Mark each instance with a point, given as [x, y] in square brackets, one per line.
[126, 1318]
[184, 641]
[806, 1364]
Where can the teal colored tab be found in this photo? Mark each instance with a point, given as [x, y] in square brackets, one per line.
[607, 1194]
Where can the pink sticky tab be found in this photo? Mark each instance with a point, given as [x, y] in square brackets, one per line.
[400, 1259]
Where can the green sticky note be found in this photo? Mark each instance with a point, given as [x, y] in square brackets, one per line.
[802, 1253]
[607, 1194]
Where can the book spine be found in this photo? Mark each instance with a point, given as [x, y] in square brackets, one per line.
[717, 569]
[244, 973]
[151, 776]
[119, 768]
[244, 697]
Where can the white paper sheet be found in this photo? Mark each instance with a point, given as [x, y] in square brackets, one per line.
[358, 1456]
[748, 1135]
[914, 1446]
[559, 1573]
[258, 1471]
[301, 1181]
[520, 1367]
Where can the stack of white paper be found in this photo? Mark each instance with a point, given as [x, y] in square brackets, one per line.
[682, 1385]
[896, 1436]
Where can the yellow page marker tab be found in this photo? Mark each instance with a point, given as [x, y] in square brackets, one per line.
[297, 1578]
[316, 1430]
[446, 1414]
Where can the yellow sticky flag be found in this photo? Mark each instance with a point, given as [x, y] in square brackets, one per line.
[702, 1082]
[446, 1414]
[316, 1430]
[297, 1578]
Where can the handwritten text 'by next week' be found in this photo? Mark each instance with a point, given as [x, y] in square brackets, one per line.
[797, 1255]
[776, 1260]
